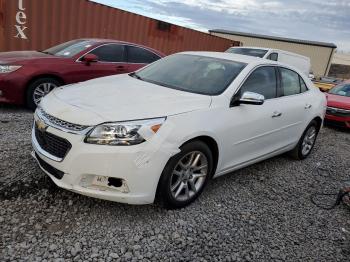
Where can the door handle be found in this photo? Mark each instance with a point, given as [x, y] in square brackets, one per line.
[308, 106]
[276, 114]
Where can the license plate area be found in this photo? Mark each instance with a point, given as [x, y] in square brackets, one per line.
[101, 181]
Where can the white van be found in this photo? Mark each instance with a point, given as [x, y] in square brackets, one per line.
[293, 59]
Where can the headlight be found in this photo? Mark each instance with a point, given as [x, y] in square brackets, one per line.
[8, 68]
[124, 133]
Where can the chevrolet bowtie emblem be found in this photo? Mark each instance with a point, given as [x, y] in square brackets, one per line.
[41, 125]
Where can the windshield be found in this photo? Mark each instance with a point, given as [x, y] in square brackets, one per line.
[69, 49]
[341, 90]
[247, 51]
[192, 73]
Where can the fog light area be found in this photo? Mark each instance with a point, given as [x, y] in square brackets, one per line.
[104, 183]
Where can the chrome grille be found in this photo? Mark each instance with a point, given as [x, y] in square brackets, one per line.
[56, 122]
[338, 111]
[51, 143]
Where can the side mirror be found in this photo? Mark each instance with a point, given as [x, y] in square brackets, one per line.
[90, 58]
[249, 98]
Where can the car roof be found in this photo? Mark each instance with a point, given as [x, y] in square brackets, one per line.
[234, 57]
[102, 40]
[106, 41]
[271, 49]
[253, 47]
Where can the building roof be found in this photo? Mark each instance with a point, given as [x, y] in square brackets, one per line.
[282, 39]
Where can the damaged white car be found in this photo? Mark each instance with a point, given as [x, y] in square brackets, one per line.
[164, 131]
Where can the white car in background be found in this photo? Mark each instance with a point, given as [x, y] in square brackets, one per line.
[299, 61]
[163, 132]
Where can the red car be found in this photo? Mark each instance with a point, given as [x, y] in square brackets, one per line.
[338, 105]
[27, 76]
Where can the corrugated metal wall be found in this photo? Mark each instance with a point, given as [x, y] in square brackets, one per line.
[48, 22]
[319, 55]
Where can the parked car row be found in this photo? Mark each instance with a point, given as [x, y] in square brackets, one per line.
[144, 135]
[338, 105]
[27, 76]
[326, 83]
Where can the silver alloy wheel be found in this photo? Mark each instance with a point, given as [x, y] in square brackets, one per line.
[189, 175]
[309, 140]
[42, 90]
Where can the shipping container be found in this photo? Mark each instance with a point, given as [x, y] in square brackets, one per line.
[39, 24]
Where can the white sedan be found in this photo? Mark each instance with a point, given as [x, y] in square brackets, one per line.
[163, 132]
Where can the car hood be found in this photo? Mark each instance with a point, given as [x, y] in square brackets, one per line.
[119, 98]
[18, 56]
[338, 101]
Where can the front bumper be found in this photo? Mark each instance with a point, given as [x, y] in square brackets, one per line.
[12, 88]
[338, 120]
[139, 167]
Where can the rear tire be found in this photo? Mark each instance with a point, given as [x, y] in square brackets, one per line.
[38, 89]
[306, 142]
[185, 175]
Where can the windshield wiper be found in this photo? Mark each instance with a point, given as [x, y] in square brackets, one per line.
[45, 52]
[133, 74]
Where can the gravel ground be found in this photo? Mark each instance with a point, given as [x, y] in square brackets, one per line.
[260, 213]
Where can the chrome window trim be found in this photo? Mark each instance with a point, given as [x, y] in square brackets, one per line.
[338, 109]
[124, 62]
[144, 49]
[270, 65]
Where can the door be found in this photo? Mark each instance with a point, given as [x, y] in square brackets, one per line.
[297, 101]
[111, 61]
[253, 131]
[138, 57]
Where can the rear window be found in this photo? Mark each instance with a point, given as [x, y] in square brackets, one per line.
[292, 83]
[140, 55]
[247, 51]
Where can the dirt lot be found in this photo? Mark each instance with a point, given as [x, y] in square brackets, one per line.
[260, 213]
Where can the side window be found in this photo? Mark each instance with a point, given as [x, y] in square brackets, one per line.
[273, 57]
[109, 53]
[303, 87]
[262, 81]
[140, 55]
[290, 82]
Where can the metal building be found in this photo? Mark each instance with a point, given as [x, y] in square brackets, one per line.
[320, 53]
[39, 24]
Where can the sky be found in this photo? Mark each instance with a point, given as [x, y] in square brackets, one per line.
[318, 20]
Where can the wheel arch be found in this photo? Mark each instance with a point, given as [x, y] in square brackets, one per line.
[48, 75]
[318, 121]
[213, 146]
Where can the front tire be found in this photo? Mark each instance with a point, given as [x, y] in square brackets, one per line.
[306, 142]
[185, 175]
[38, 89]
